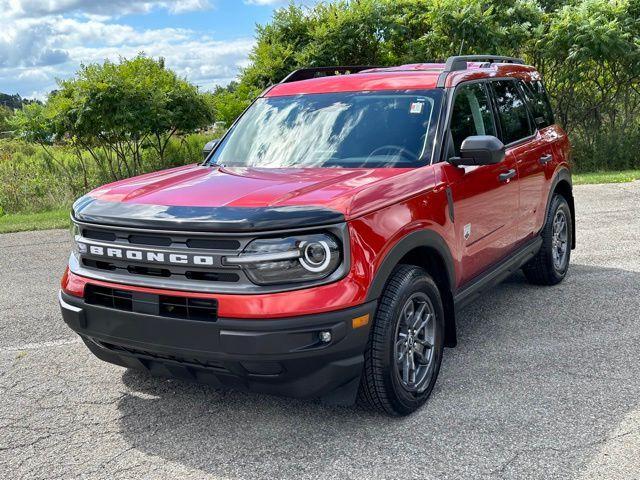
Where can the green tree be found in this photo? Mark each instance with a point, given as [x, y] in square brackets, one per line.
[14, 101]
[34, 123]
[590, 58]
[427, 31]
[5, 116]
[587, 51]
[117, 110]
[552, 5]
[383, 32]
[227, 103]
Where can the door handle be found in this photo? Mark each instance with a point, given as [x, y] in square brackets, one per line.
[506, 176]
[545, 159]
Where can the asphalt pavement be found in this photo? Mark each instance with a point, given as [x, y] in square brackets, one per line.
[545, 383]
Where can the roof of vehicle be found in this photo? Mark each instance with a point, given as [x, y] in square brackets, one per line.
[417, 76]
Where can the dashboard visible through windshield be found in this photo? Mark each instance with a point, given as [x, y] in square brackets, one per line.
[348, 130]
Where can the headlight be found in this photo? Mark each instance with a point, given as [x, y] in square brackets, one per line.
[304, 258]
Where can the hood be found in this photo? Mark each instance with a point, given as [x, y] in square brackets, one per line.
[242, 198]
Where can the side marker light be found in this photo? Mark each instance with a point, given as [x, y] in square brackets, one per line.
[360, 321]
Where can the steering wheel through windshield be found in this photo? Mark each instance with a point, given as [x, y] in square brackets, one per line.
[400, 152]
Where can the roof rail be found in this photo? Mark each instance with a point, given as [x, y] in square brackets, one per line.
[459, 62]
[315, 72]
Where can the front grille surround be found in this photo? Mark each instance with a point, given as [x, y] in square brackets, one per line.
[214, 277]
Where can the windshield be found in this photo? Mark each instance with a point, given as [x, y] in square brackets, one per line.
[351, 130]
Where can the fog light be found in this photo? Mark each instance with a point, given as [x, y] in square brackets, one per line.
[325, 337]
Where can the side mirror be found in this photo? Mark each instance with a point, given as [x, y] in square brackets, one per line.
[208, 147]
[479, 150]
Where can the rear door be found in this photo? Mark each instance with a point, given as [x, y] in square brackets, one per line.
[485, 204]
[535, 159]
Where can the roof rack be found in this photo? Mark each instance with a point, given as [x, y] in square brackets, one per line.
[315, 72]
[459, 62]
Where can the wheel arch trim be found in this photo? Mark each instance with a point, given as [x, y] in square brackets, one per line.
[563, 175]
[421, 239]
[417, 239]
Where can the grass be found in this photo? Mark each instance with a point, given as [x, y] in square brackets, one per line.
[606, 177]
[21, 222]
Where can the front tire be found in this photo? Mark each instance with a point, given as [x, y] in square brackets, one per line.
[405, 348]
[551, 263]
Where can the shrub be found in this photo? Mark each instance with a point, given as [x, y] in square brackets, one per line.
[31, 182]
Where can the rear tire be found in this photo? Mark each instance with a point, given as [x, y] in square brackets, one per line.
[406, 343]
[551, 263]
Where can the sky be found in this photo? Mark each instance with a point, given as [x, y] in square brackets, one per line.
[206, 41]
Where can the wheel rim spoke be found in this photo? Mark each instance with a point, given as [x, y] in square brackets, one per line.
[413, 348]
[417, 318]
[405, 369]
[559, 239]
[423, 325]
[409, 311]
[425, 343]
[412, 367]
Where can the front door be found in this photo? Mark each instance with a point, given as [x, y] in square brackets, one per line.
[485, 200]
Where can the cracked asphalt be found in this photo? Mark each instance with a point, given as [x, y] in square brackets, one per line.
[545, 383]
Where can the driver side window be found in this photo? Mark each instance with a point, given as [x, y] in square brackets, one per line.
[471, 115]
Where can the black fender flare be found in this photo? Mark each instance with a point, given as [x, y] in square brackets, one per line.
[429, 239]
[421, 238]
[563, 174]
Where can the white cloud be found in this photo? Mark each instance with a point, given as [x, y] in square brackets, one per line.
[189, 6]
[105, 8]
[34, 52]
[44, 40]
[263, 2]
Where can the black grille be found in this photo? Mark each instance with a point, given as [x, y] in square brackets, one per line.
[200, 275]
[154, 272]
[111, 263]
[124, 238]
[98, 264]
[189, 308]
[212, 276]
[185, 308]
[213, 244]
[99, 235]
[109, 297]
[150, 240]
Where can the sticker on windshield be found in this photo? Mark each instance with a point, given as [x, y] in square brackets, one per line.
[416, 107]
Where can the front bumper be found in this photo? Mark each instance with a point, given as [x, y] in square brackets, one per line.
[283, 356]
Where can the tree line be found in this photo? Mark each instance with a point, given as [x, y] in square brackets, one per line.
[118, 119]
[588, 52]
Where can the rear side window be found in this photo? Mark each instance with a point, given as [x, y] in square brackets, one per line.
[512, 111]
[471, 114]
[538, 102]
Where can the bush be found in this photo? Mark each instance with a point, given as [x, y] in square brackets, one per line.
[606, 150]
[31, 182]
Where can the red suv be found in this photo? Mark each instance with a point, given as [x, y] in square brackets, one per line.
[326, 243]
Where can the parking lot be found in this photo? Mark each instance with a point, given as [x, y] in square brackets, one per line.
[545, 383]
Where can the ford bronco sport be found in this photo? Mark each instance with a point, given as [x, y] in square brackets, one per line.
[326, 243]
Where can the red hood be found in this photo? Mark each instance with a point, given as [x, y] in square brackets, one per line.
[202, 186]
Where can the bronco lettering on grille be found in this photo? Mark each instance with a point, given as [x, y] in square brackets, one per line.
[147, 256]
